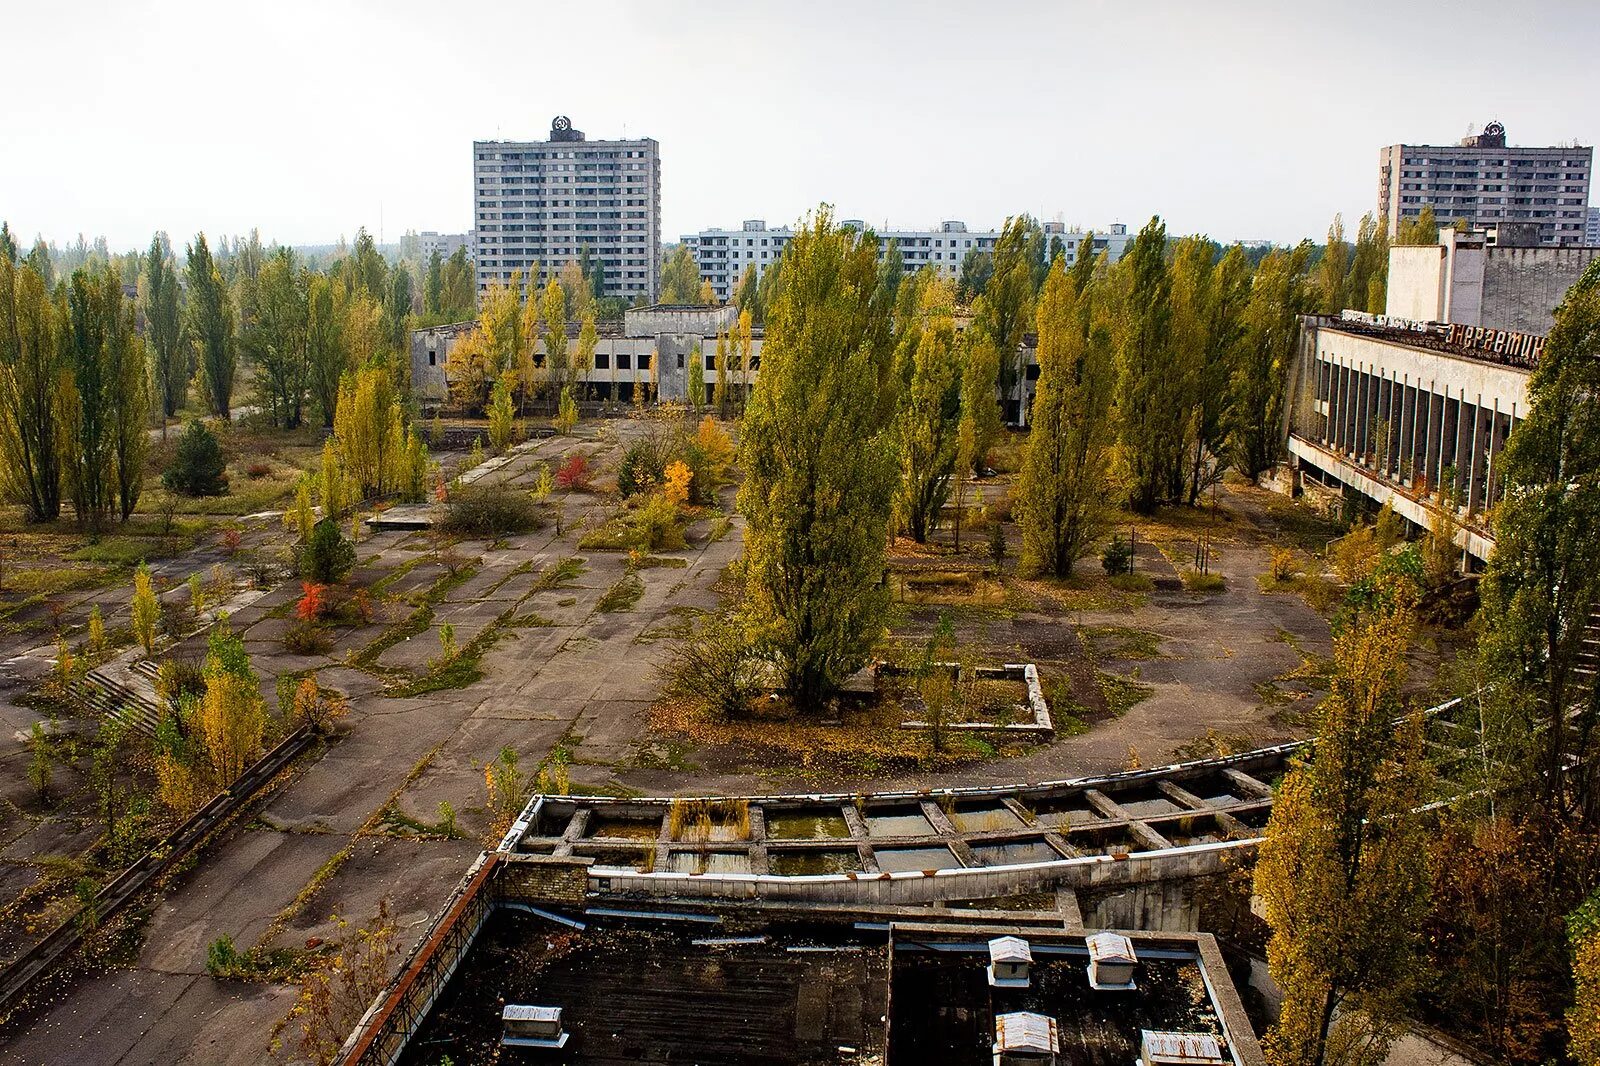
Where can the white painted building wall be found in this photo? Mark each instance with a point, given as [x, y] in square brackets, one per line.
[723, 255]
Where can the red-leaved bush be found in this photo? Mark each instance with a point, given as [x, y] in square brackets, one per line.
[574, 473]
[313, 602]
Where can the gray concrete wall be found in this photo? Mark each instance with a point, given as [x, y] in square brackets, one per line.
[1522, 287]
[699, 321]
[1416, 283]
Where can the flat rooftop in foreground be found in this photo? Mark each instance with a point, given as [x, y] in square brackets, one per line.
[795, 989]
[634, 991]
[943, 1008]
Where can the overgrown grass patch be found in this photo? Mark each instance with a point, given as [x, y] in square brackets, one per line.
[623, 595]
[127, 552]
[1203, 581]
[1120, 642]
[562, 574]
[1121, 693]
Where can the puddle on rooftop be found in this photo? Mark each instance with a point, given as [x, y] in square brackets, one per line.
[709, 862]
[986, 819]
[625, 828]
[911, 860]
[812, 863]
[1014, 852]
[801, 825]
[903, 822]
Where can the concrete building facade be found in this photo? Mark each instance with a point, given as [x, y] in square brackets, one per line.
[1484, 182]
[724, 255]
[1591, 229]
[651, 346]
[446, 244]
[1413, 414]
[548, 202]
[1500, 278]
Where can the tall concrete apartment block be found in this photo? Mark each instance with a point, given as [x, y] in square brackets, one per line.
[1485, 182]
[546, 202]
[723, 255]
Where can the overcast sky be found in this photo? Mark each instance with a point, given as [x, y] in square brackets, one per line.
[308, 119]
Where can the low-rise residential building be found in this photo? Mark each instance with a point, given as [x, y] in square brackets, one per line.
[724, 255]
[650, 347]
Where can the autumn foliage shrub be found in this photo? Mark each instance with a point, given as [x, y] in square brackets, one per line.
[490, 511]
[574, 473]
[314, 604]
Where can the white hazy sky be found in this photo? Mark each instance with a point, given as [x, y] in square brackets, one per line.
[1238, 118]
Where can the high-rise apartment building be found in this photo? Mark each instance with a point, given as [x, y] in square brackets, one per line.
[555, 201]
[723, 255]
[1591, 231]
[1484, 182]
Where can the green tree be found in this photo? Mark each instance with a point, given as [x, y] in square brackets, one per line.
[276, 341]
[1272, 329]
[746, 296]
[43, 264]
[818, 455]
[211, 329]
[1006, 308]
[1422, 230]
[105, 360]
[397, 307]
[697, 378]
[1063, 503]
[977, 267]
[458, 288]
[588, 340]
[41, 763]
[130, 410]
[680, 277]
[927, 420]
[145, 610]
[1333, 271]
[1150, 424]
[1367, 283]
[502, 417]
[1341, 873]
[978, 400]
[557, 366]
[1543, 579]
[324, 346]
[198, 465]
[232, 714]
[328, 557]
[1224, 309]
[566, 412]
[433, 285]
[35, 390]
[164, 326]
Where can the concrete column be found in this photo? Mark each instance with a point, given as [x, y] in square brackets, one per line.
[1492, 460]
[1353, 396]
[1425, 466]
[1325, 377]
[1408, 416]
[1335, 404]
[1473, 467]
[1363, 434]
[1455, 440]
